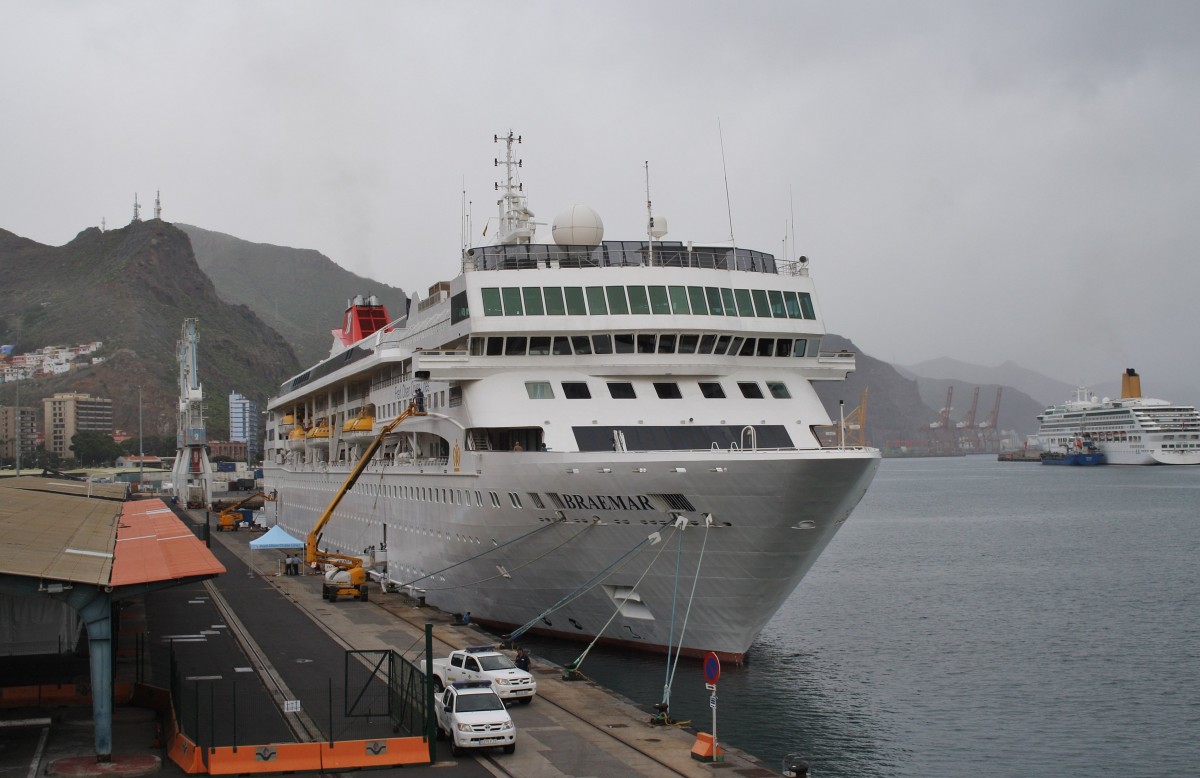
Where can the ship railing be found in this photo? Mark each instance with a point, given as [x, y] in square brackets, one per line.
[533, 256]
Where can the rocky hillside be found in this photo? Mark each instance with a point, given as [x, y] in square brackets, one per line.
[132, 288]
[300, 293]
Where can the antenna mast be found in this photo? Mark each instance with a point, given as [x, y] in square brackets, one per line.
[649, 216]
[728, 207]
[137, 209]
[516, 225]
[157, 205]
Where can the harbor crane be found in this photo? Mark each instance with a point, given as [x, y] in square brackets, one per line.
[988, 429]
[192, 473]
[854, 427]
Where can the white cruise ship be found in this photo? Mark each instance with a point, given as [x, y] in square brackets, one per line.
[1132, 430]
[622, 441]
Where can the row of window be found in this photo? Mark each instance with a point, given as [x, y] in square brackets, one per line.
[643, 343]
[607, 300]
[665, 390]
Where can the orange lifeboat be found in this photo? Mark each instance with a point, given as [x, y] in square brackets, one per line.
[362, 425]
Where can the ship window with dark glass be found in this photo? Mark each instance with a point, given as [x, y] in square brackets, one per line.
[806, 305]
[491, 302]
[458, 308]
[735, 346]
[766, 347]
[712, 390]
[778, 390]
[554, 301]
[512, 300]
[621, 390]
[495, 346]
[679, 300]
[666, 343]
[645, 342]
[706, 343]
[539, 390]
[783, 347]
[727, 299]
[638, 301]
[477, 345]
[575, 304]
[761, 307]
[745, 306]
[777, 309]
[601, 344]
[616, 300]
[539, 345]
[696, 296]
[801, 344]
[582, 344]
[688, 343]
[562, 345]
[515, 346]
[747, 349]
[595, 298]
[722, 344]
[533, 300]
[667, 390]
[750, 390]
[623, 342]
[658, 300]
[576, 390]
[792, 304]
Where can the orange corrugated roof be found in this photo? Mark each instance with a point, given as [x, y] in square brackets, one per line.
[154, 545]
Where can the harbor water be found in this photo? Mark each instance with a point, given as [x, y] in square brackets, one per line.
[973, 617]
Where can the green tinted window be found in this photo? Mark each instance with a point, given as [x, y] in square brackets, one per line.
[744, 306]
[595, 298]
[792, 304]
[727, 299]
[512, 300]
[760, 302]
[575, 305]
[616, 299]
[533, 300]
[554, 301]
[491, 302]
[658, 299]
[806, 305]
[777, 309]
[679, 300]
[638, 301]
[696, 295]
[714, 301]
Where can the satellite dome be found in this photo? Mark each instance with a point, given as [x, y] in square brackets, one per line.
[579, 225]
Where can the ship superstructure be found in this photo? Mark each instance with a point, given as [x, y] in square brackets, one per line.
[621, 438]
[1130, 430]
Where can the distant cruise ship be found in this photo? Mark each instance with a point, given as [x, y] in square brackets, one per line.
[622, 438]
[1132, 430]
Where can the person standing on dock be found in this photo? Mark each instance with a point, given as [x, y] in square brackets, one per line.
[521, 660]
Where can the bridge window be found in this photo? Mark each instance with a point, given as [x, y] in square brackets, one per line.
[712, 390]
[495, 346]
[745, 307]
[601, 344]
[706, 343]
[539, 346]
[645, 343]
[798, 351]
[761, 307]
[595, 298]
[666, 343]
[515, 346]
[582, 343]
[806, 305]
[783, 347]
[747, 349]
[766, 347]
[638, 301]
[623, 342]
[727, 299]
[722, 344]
[688, 343]
[696, 296]
[562, 345]
[777, 309]
[575, 304]
[533, 300]
[491, 302]
[658, 300]
[679, 300]
[616, 300]
[554, 301]
[713, 295]
[512, 300]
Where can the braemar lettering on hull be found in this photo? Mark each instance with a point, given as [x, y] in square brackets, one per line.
[607, 502]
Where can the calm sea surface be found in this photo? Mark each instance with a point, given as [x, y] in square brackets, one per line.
[974, 617]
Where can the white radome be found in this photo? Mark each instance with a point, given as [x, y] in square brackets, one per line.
[579, 225]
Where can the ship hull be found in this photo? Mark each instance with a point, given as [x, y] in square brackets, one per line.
[607, 545]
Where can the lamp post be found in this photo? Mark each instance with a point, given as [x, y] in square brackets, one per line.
[18, 419]
[141, 449]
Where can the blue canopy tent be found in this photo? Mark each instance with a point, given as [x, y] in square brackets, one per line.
[276, 537]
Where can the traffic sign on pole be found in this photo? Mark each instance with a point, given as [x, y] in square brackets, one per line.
[712, 667]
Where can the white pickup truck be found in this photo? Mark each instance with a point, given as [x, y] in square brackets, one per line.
[472, 716]
[485, 663]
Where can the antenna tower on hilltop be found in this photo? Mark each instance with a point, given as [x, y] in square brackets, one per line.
[157, 204]
[137, 209]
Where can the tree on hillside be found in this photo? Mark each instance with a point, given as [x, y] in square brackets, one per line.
[95, 448]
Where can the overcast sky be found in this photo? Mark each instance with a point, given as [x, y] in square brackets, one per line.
[987, 181]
